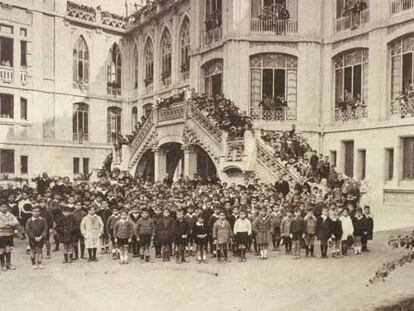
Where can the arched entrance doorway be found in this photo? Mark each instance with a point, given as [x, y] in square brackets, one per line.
[171, 161]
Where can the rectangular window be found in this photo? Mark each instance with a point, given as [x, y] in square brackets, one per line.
[23, 53]
[357, 81]
[349, 158]
[280, 80]
[6, 29]
[23, 108]
[407, 72]
[408, 158]
[216, 84]
[6, 106]
[339, 8]
[76, 163]
[389, 164]
[23, 32]
[348, 80]
[24, 162]
[7, 161]
[86, 166]
[6, 52]
[332, 157]
[362, 158]
[267, 85]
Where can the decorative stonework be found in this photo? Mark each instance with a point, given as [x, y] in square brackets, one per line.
[275, 45]
[82, 12]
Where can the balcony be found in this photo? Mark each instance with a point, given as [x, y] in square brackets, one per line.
[402, 107]
[352, 21]
[401, 6]
[6, 74]
[113, 90]
[211, 37]
[23, 75]
[278, 27]
[350, 114]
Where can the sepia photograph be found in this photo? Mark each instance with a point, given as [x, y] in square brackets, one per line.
[217, 155]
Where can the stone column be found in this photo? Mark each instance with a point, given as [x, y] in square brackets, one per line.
[160, 165]
[190, 161]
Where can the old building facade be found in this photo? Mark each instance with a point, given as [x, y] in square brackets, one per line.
[72, 77]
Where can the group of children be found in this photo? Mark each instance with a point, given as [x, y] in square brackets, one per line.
[184, 219]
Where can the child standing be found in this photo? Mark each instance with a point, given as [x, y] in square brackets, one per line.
[163, 234]
[110, 225]
[336, 231]
[369, 228]
[92, 228]
[123, 233]
[134, 216]
[66, 229]
[347, 231]
[200, 234]
[145, 231]
[275, 220]
[323, 231]
[261, 228]
[36, 230]
[222, 235]
[310, 232]
[297, 230]
[285, 232]
[8, 222]
[181, 230]
[359, 230]
[191, 219]
[104, 213]
[78, 239]
[242, 232]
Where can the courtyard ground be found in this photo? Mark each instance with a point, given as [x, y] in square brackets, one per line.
[280, 283]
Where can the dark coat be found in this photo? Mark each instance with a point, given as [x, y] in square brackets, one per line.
[323, 229]
[336, 229]
[66, 229]
[104, 214]
[359, 226]
[181, 230]
[369, 222]
[164, 230]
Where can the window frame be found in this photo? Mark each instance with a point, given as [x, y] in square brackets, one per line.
[211, 70]
[80, 122]
[81, 60]
[149, 62]
[4, 168]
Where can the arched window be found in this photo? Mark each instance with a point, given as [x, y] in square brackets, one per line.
[213, 77]
[135, 56]
[149, 63]
[351, 78]
[80, 122]
[134, 116]
[114, 124]
[147, 109]
[115, 67]
[273, 86]
[184, 42]
[166, 49]
[80, 62]
[402, 69]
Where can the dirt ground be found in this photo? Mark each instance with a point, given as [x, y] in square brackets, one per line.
[280, 283]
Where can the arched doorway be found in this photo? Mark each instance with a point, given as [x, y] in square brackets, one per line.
[205, 165]
[145, 167]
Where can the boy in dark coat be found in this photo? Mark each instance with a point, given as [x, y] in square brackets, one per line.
[369, 228]
[66, 229]
[323, 229]
[336, 233]
[359, 230]
[181, 233]
[78, 238]
[297, 229]
[105, 212]
[36, 230]
[163, 233]
[134, 216]
[144, 231]
[46, 215]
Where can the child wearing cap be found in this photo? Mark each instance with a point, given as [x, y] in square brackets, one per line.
[123, 233]
[36, 230]
[8, 223]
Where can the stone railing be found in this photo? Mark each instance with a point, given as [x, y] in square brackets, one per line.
[113, 91]
[350, 114]
[6, 74]
[79, 138]
[206, 123]
[278, 27]
[273, 114]
[142, 133]
[95, 16]
[352, 21]
[402, 108]
[266, 157]
[211, 37]
[82, 12]
[236, 149]
[112, 20]
[174, 112]
[399, 6]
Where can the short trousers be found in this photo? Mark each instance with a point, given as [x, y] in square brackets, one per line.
[35, 244]
[6, 241]
[145, 240]
[122, 242]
